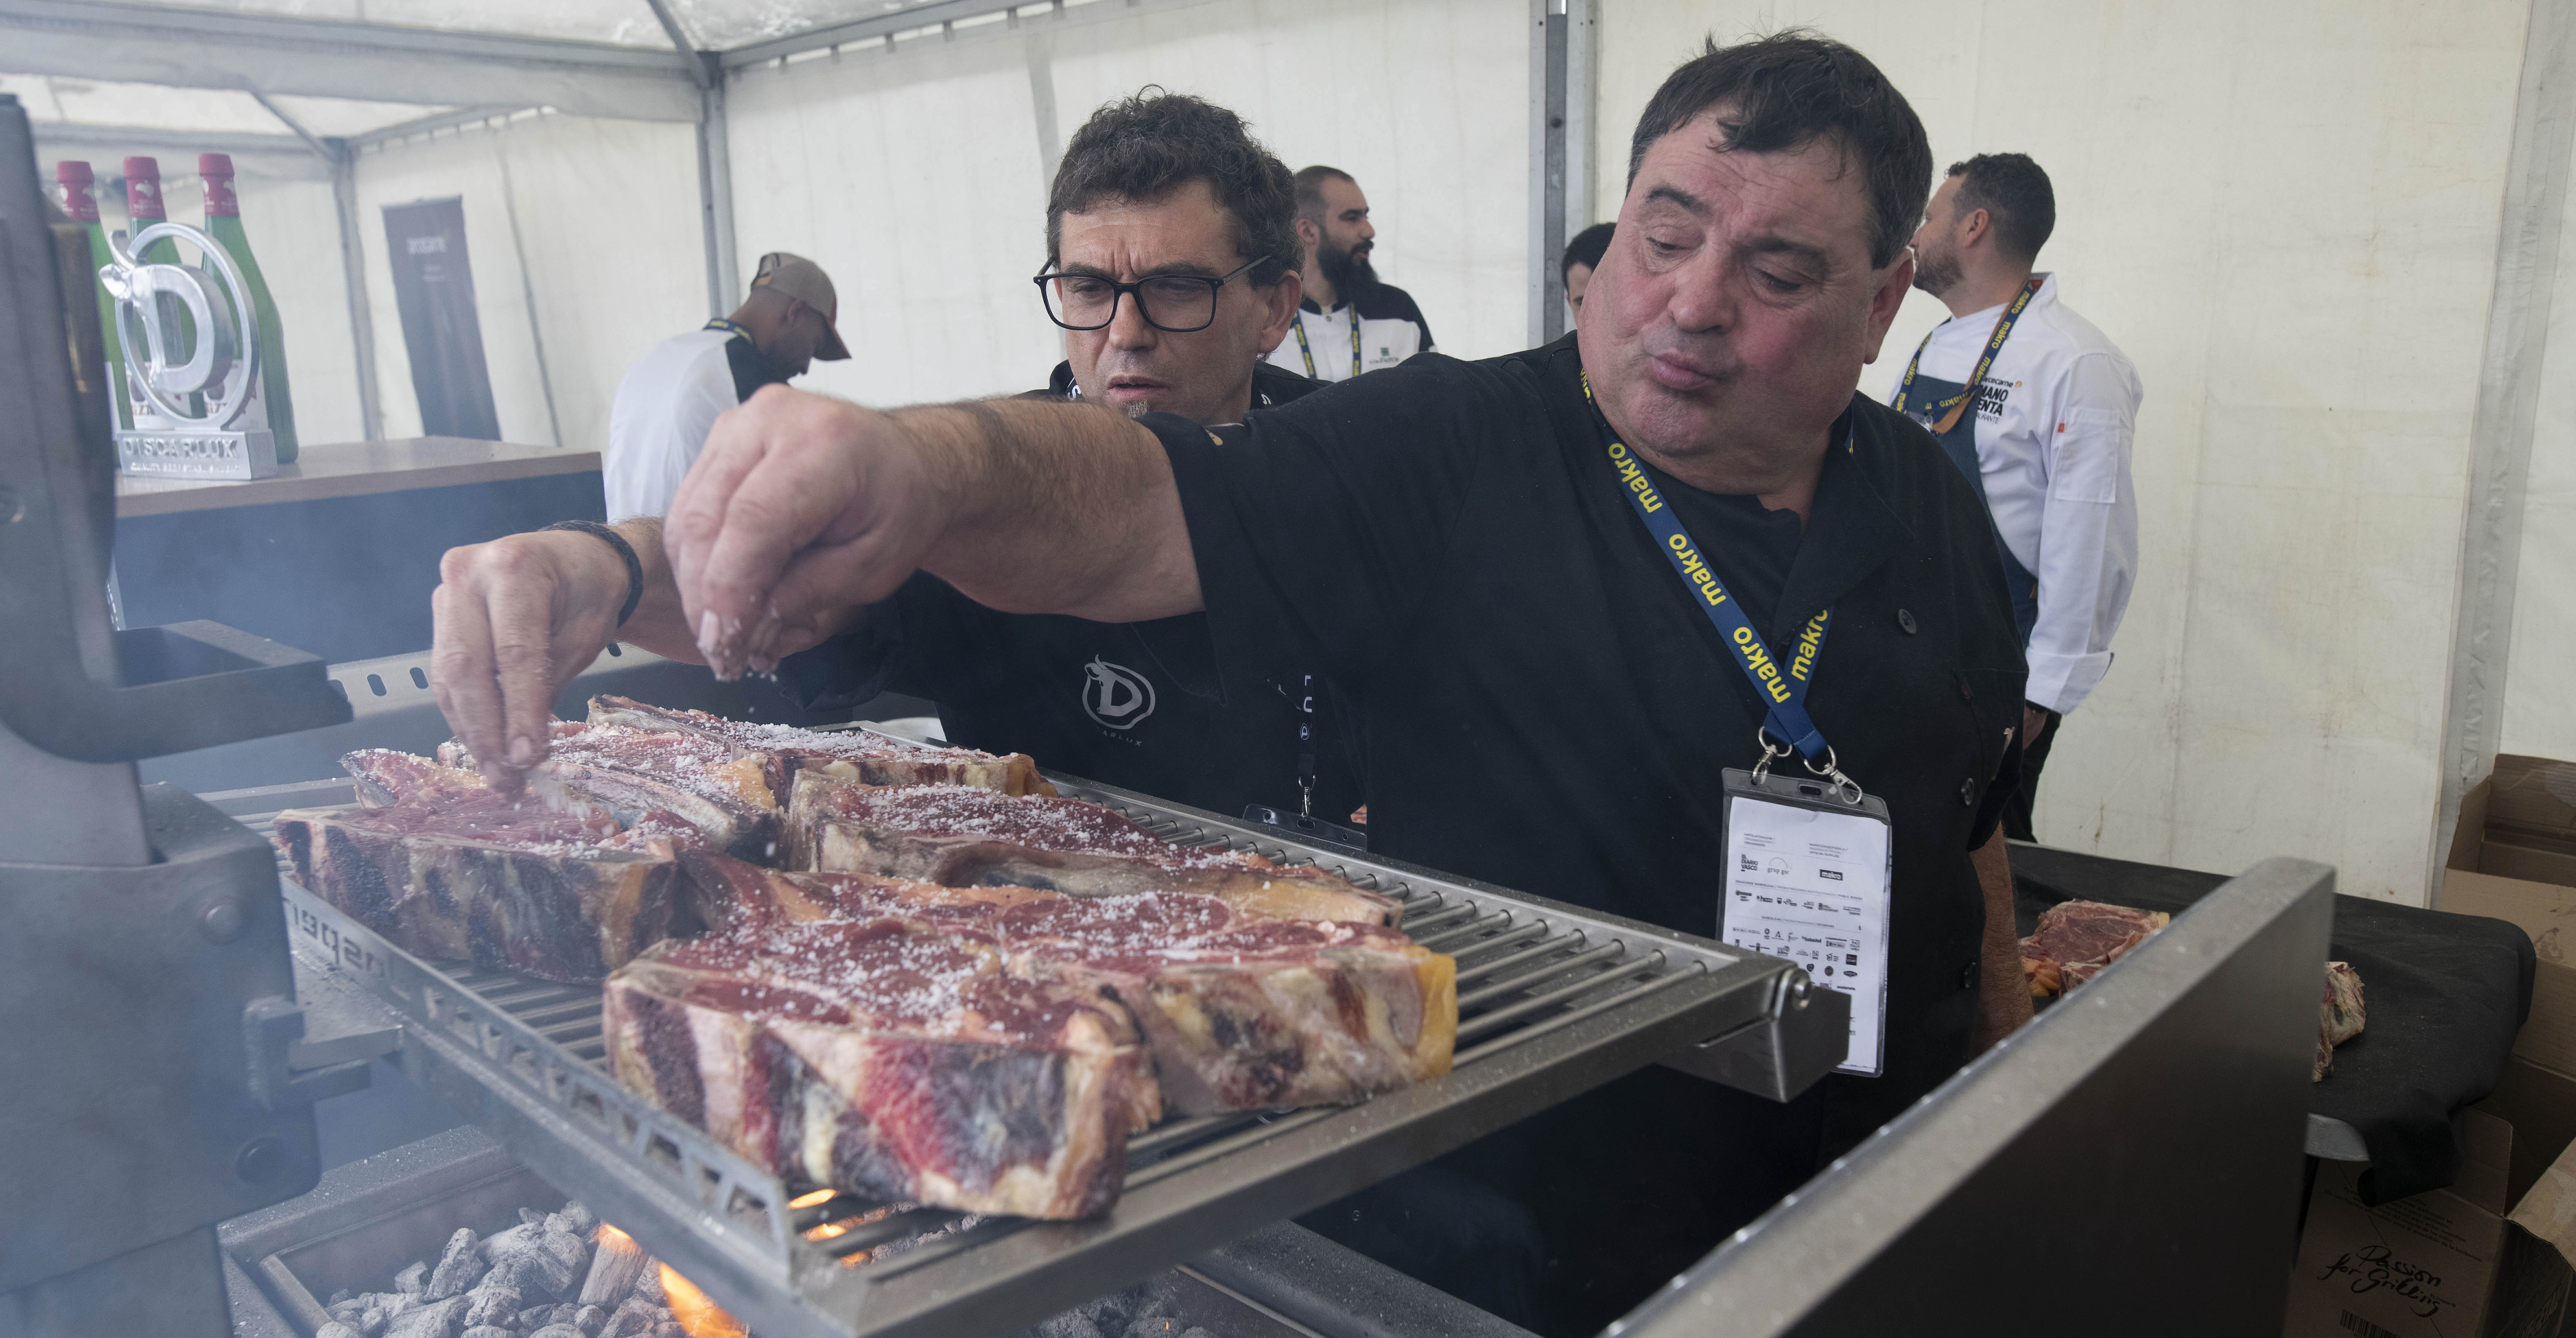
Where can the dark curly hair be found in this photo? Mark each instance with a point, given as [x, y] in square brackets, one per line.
[1145, 147]
[1784, 91]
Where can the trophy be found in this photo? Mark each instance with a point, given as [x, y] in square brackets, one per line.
[229, 439]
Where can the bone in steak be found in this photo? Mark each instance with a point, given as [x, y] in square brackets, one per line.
[1245, 1013]
[2076, 939]
[544, 883]
[841, 755]
[888, 1059]
[704, 782]
[964, 837]
[2339, 1015]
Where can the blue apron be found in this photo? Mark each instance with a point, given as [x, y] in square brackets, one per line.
[1960, 444]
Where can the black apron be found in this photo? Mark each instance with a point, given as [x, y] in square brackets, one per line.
[1960, 444]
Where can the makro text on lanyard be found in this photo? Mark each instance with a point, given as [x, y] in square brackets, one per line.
[1784, 687]
[1950, 409]
[1309, 354]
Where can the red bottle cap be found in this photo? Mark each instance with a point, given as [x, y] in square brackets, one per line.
[74, 177]
[143, 190]
[217, 169]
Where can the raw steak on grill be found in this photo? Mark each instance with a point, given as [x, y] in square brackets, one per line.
[963, 837]
[2339, 1015]
[727, 894]
[545, 883]
[887, 1059]
[702, 781]
[842, 755]
[1245, 1013]
[2076, 939]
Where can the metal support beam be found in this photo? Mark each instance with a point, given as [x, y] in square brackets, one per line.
[715, 195]
[1560, 199]
[2500, 436]
[210, 48]
[353, 269]
[64, 135]
[425, 125]
[903, 20]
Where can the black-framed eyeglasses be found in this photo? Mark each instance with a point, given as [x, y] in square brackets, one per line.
[1173, 303]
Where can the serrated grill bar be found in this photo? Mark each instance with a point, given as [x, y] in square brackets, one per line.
[1527, 971]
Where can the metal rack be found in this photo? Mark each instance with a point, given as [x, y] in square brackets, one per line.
[1553, 1001]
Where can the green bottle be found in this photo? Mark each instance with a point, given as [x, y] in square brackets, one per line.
[143, 209]
[76, 181]
[223, 223]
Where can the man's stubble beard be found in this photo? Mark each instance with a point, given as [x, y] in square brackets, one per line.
[1935, 273]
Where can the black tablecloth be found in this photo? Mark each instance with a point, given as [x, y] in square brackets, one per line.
[2445, 995]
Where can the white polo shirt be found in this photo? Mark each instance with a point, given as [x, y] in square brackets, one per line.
[665, 406]
[2055, 420]
[1377, 329]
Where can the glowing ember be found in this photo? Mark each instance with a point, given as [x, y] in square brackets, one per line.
[700, 1316]
[827, 1231]
[809, 1200]
[615, 1239]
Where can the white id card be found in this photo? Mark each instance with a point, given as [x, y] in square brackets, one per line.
[1806, 881]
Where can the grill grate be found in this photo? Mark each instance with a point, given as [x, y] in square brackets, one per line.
[1552, 1000]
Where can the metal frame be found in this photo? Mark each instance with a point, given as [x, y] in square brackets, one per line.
[1556, 1000]
[1562, 60]
[2164, 1104]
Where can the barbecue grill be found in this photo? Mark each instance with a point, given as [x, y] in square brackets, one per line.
[1553, 1000]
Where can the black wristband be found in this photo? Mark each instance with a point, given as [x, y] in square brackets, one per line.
[634, 565]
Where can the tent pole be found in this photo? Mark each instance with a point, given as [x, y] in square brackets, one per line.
[2500, 435]
[1560, 158]
[715, 197]
[353, 268]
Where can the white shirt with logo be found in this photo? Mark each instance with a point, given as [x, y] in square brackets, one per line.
[2056, 418]
[1382, 344]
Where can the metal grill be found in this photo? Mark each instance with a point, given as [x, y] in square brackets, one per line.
[1553, 1000]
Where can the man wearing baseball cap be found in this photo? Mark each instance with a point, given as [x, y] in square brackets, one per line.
[671, 396]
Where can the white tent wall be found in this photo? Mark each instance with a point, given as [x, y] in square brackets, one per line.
[606, 245]
[918, 177]
[294, 231]
[2540, 673]
[2287, 215]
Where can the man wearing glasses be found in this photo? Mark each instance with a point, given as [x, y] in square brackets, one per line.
[1168, 236]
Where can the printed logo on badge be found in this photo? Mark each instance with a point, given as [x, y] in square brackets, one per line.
[1114, 695]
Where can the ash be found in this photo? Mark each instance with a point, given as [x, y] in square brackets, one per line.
[1146, 1310]
[544, 1278]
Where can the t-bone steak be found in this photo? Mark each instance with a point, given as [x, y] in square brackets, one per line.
[704, 782]
[2074, 940]
[546, 883]
[1245, 1013]
[965, 837]
[840, 755]
[888, 1059]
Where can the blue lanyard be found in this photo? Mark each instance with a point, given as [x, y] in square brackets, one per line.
[1308, 353]
[1785, 688]
[1944, 415]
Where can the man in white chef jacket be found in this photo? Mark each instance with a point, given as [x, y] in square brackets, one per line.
[2044, 435]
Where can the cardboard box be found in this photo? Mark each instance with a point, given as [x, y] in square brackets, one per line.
[2513, 857]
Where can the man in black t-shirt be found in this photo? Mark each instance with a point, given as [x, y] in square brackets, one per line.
[1542, 700]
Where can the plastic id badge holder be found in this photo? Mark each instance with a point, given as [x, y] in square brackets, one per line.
[1807, 878]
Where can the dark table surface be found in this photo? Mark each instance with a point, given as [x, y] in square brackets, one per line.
[2444, 995]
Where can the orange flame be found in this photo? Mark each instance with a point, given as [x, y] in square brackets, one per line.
[615, 1239]
[701, 1317]
[809, 1200]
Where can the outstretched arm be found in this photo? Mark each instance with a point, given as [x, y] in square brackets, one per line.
[804, 506]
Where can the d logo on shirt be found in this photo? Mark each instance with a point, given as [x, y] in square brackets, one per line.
[1115, 695]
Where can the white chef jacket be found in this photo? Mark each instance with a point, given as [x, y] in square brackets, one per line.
[2055, 419]
[1390, 330]
[659, 422]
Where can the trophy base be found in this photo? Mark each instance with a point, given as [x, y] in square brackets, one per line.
[197, 455]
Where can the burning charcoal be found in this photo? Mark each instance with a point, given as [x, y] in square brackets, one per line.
[335, 1329]
[536, 1317]
[531, 1217]
[487, 1331]
[1195, 1331]
[571, 1247]
[434, 1319]
[502, 1244]
[582, 1220]
[337, 1298]
[460, 1266]
[345, 1306]
[565, 1314]
[1067, 1325]
[557, 1331]
[411, 1281]
[591, 1319]
[493, 1303]
[669, 1328]
[613, 1270]
[648, 1284]
[371, 1321]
